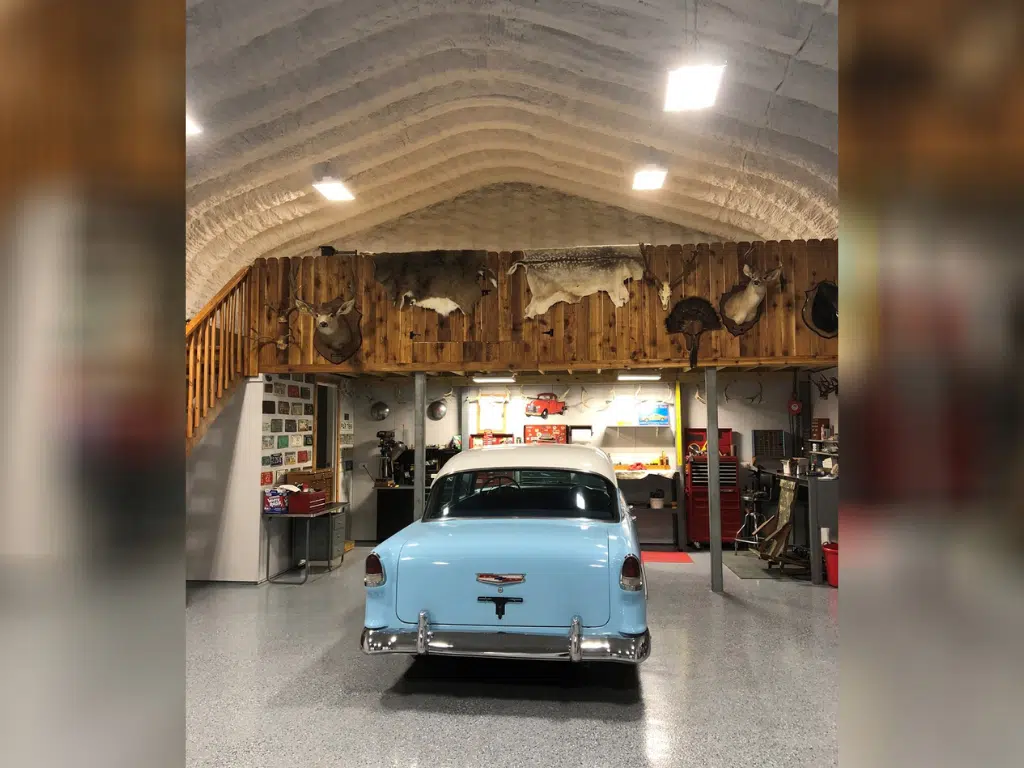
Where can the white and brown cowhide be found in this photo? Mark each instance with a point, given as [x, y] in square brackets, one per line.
[569, 274]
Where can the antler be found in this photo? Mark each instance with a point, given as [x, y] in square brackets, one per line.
[688, 269]
[754, 399]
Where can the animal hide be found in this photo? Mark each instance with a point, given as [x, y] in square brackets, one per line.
[821, 309]
[336, 325]
[569, 274]
[443, 281]
[691, 316]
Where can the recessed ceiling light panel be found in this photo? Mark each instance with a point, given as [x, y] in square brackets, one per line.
[333, 190]
[693, 87]
[650, 177]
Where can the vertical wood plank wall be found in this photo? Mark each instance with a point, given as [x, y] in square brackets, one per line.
[585, 336]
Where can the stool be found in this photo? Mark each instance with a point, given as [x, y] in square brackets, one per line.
[752, 518]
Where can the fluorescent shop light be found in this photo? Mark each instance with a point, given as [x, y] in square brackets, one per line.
[639, 377]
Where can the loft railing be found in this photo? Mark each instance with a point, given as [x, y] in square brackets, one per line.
[219, 352]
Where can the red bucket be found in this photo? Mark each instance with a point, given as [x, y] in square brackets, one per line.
[831, 551]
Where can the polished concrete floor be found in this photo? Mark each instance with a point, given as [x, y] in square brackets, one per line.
[749, 678]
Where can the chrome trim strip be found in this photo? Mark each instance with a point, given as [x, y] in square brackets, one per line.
[628, 649]
[501, 579]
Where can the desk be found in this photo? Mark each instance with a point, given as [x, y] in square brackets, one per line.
[327, 510]
[822, 507]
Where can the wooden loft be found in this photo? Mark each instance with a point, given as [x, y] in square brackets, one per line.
[589, 336]
[247, 330]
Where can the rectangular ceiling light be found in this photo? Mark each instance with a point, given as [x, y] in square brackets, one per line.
[494, 379]
[693, 87]
[651, 177]
[639, 377]
[192, 127]
[333, 190]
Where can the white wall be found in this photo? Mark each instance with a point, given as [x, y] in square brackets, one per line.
[737, 413]
[222, 492]
[399, 397]
[601, 406]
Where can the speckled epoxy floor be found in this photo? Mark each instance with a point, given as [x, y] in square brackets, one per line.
[750, 678]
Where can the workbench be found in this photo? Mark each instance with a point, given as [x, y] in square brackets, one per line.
[330, 509]
[822, 511]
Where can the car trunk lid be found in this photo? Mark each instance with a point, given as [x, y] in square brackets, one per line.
[563, 564]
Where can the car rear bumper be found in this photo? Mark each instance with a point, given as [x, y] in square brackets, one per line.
[574, 646]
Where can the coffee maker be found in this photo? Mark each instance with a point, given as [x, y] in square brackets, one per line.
[388, 450]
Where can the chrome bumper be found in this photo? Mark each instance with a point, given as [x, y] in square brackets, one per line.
[424, 641]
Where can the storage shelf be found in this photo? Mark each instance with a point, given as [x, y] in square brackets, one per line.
[830, 441]
[825, 453]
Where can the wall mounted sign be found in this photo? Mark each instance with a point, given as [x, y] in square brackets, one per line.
[283, 407]
[307, 409]
[265, 461]
[285, 376]
[276, 459]
[266, 425]
[289, 457]
[268, 441]
[303, 456]
[277, 425]
[305, 425]
[293, 390]
[268, 406]
[305, 393]
[652, 414]
[266, 478]
[282, 441]
[290, 425]
[295, 441]
[280, 390]
[296, 409]
[307, 439]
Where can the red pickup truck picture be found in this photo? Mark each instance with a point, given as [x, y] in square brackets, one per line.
[543, 404]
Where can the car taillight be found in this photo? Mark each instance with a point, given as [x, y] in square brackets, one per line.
[374, 571]
[631, 577]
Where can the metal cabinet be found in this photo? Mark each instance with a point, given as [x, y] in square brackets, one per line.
[326, 538]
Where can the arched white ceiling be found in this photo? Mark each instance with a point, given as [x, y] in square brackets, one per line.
[453, 121]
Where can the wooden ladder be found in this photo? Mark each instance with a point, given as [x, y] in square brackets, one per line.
[219, 353]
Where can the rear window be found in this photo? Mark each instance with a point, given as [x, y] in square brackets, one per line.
[504, 493]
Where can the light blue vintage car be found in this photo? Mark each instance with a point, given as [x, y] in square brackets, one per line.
[524, 551]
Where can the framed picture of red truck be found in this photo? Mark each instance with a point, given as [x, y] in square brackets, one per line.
[545, 404]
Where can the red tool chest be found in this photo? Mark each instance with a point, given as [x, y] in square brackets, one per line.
[306, 503]
[698, 522]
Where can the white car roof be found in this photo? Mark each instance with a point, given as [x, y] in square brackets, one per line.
[579, 458]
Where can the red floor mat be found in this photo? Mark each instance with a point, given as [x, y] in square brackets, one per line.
[665, 557]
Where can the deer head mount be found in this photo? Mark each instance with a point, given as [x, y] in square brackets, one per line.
[742, 306]
[336, 332]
